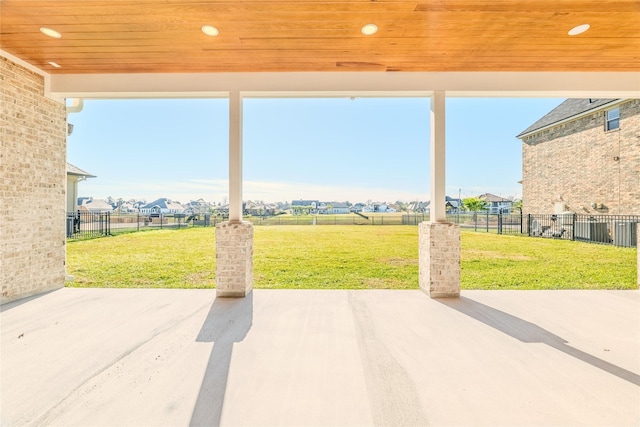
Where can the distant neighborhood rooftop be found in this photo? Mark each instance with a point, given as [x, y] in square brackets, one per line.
[569, 108]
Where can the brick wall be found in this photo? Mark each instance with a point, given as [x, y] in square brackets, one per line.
[575, 163]
[32, 185]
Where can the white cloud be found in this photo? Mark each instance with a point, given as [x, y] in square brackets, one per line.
[216, 190]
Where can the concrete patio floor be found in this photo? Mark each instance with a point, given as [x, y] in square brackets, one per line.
[134, 357]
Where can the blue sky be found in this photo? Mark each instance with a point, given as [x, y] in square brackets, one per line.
[333, 149]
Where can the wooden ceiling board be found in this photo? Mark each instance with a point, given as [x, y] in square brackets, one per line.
[142, 36]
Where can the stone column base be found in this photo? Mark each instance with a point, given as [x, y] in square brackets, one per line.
[234, 259]
[439, 259]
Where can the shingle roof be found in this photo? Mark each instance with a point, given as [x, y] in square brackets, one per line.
[339, 205]
[74, 170]
[569, 108]
[492, 198]
[163, 203]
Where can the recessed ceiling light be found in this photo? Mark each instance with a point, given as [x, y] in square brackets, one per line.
[55, 64]
[579, 29]
[49, 32]
[210, 30]
[369, 29]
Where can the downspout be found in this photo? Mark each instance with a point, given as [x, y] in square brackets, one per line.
[75, 107]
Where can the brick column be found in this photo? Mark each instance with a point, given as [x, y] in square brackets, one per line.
[234, 259]
[439, 259]
[638, 248]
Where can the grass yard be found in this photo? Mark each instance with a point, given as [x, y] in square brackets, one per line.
[346, 257]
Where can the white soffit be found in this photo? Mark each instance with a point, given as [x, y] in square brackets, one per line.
[329, 84]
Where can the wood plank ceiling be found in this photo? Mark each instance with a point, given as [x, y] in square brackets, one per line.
[133, 36]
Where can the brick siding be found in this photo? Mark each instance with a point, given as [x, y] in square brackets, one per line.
[439, 259]
[578, 163]
[32, 185]
[234, 259]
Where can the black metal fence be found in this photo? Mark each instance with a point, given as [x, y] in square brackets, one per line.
[618, 230]
[478, 221]
[87, 225]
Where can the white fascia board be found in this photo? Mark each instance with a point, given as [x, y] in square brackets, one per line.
[346, 84]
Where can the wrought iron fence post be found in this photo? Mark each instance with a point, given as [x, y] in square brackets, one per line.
[573, 227]
[499, 223]
[487, 221]
[529, 224]
[521, 218]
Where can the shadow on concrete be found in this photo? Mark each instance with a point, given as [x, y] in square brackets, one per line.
[13, 304]
[228, 322]
[531, 333]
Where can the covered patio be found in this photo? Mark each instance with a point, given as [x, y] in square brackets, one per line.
[103, 357]
[189, 357]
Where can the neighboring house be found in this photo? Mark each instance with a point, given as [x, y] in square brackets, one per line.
[418, 207]
[300, 207]
[162, 206]
[199, 206]
[126, 207]
[496, 204]
[322, 208]
[358, 207]
[378, 207]
[258, 208]
[339, 208]
[583, 157]
[453, 205]
[89, 204]
[74, 176]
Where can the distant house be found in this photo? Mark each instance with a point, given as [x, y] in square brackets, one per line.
[304, 207]
[339, 208]
[583, 157]
[258, 208]
[453, 205]
[199, 206]
[378, 207]
[358, 207]
[89, 204]
[418, 207]
[496, 204]
[162, 206]
[74, 176]
[126, 207]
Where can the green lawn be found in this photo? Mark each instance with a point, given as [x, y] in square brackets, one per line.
[346, 257]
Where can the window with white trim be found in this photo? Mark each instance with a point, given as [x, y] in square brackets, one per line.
[613, 119]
